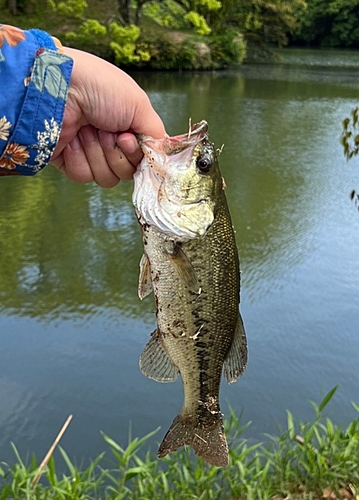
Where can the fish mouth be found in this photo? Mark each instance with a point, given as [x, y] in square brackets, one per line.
[195, 134]
[158, 194]
[174, 145]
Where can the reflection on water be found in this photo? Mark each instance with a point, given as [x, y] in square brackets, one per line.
[69, 248]
[324, 58]
[72, 325]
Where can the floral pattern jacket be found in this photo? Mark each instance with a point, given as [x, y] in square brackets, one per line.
[34, 81]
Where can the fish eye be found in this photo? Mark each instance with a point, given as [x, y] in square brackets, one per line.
[204, 163]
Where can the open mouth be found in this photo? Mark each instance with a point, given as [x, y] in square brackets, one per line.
[178, 143]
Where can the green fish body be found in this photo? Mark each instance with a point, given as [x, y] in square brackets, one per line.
[191, 263]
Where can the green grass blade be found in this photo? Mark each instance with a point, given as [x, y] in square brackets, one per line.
[327, 398]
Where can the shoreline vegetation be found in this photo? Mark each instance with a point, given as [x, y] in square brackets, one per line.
[163, 41]
[309, 461]
[188, 34]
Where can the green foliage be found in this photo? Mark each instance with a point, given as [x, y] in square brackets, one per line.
[329, 23]
[166, 13]
[185, 52]
[124, 34]
[123, 44]
[349, 139]
[87, 31]
[167, 53]
[306, 461]
[260, 20]
[75, 8]
[198, 22]
[228, 47]
[122, 40]
[200, 6]
[326, 452]
[210, 5]
[182, 14]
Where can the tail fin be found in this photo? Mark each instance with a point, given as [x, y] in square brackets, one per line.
[208, 442]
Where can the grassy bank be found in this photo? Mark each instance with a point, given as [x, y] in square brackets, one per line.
[315, 460]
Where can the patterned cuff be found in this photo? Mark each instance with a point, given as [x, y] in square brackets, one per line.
[43, 39]
[37, 130]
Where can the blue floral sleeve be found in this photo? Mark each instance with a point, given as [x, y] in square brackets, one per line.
[34, 81]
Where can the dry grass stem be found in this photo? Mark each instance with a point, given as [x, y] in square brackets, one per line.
[50, 452]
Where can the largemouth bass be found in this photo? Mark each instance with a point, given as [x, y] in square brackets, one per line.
[191, 263]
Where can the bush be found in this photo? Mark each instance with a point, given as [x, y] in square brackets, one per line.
[181, 51]
[124, 44]
[198, 22]
[174, 54]
[228, 48]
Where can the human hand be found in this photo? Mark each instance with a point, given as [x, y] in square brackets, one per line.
[105, 108]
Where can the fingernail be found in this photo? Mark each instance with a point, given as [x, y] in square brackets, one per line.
[108, 140]
[130, 144]
[75, 144]
[88, 134]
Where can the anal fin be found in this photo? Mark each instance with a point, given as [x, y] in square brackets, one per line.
[236, 359]
[155, 363]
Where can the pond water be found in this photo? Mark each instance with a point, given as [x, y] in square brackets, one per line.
[72, 327]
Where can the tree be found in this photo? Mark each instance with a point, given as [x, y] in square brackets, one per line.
[314, 23]
[12, 6]
[185, 13]
[268, 20]
[121, 39]
[345, 26]
[329, 22]
[261, 21]
[124, 10]
[200, 12]
[128, 15]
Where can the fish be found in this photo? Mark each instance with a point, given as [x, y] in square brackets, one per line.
[190, 262]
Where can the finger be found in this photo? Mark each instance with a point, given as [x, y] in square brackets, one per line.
[58, 162]
[116, 158]
[75, 165]
[145, 119]
[129, 145]
[102, 172]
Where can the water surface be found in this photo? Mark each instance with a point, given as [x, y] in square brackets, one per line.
[72, 326]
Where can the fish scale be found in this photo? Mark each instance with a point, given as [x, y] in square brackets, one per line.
[191, 263]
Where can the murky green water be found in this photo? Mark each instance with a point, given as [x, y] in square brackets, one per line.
[72, 326]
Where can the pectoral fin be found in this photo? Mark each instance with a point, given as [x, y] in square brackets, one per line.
[236, 359]
[183, 267]
[144, 282]
[155, 362]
